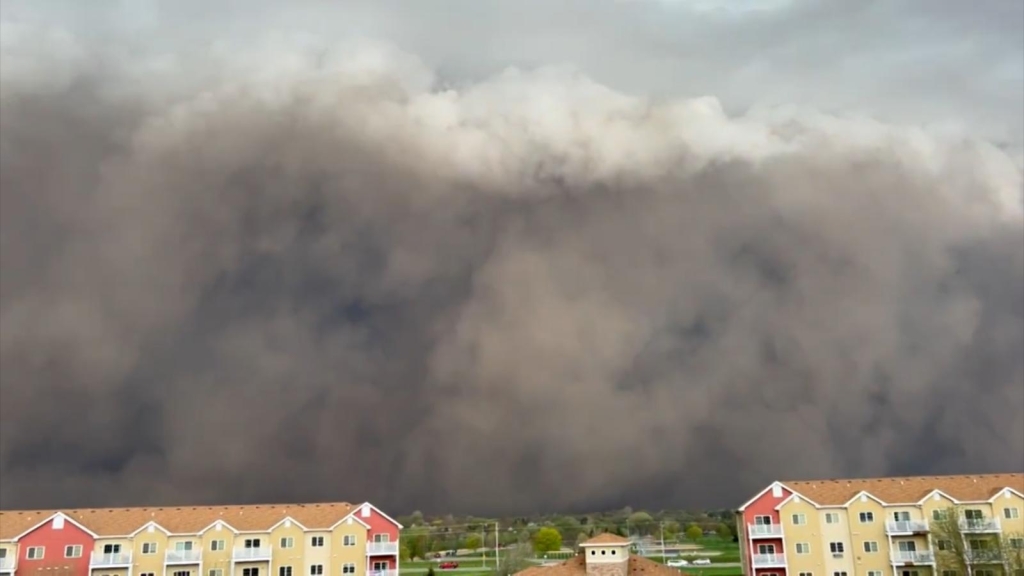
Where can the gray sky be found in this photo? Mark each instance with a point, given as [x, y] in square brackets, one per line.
[505, 256]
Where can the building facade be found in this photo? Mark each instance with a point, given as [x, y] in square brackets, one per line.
[334, 539]
[884, 527]
[603, 555]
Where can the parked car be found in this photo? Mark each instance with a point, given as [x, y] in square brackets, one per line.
[678, 563]
[702, 562]
[448, 565]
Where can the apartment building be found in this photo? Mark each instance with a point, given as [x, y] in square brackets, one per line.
[331, 539]
[880, 526]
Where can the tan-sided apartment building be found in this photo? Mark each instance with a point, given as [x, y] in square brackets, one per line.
[332, 539]
[879, 526]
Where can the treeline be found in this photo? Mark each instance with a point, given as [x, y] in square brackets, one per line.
[424, 536]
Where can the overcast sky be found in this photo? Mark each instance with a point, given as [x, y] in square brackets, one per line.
[944, 62]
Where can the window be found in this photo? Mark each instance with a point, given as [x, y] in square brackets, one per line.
[762, 520]
[871, 547]
[901, 516]
[799, 519]
[974, 514]
[147, 574]
[803, 548]
[874, 573]
[867, 517]
[944, 545]
[111, 548]
[908, 573]
[843, 573]
[349, 540]
[1017, 543]
[776, 491]
[183, 546]
[149, 548]
[348, 569]
[836, 547]
[365, 512]
[380, 566]
[979, 544]
[251, 543]
[287, 542]
[254, 571]
[831, 518]
[215, 572]
[316, 541]
[284, 571]
[3, 552]
[182, 573]
[58, 523]
[949, 573]
[805, 574]
[316, 569]
[985, 572]
[35, 552]
[73, 551]
[1011, 513]
[216, 545]
[387, 538]
[939, 515]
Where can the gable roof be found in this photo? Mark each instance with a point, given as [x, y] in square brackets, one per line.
[907, 490]
[763, 492]
[41, 519]
[108, 522]
[605, 538]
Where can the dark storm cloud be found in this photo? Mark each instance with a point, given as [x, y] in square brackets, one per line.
[296, 270]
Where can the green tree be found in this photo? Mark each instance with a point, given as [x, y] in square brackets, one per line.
[513, 560]
[723, 531]
[641, 522]
[430, 571]
[472, 542]
[547, 539]
[694, 532]
[404, 552]
[958, 548]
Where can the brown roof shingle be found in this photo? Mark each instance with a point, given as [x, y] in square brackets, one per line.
[606, 538]
[907, 490]
[180, 519]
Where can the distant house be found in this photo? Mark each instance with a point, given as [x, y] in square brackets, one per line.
[603, 555]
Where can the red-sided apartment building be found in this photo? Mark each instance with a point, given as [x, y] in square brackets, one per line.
[331, 539]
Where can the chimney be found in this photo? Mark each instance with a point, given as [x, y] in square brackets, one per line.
[606, 555]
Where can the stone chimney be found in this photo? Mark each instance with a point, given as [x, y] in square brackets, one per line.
[606, 555]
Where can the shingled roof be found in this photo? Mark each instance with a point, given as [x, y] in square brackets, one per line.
[907, 490]
[576, 566]
[180, 519]
[605, 538]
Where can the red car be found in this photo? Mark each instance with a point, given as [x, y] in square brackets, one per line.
[448, 565]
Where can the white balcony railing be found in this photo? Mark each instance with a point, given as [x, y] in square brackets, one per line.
[7, 564]
[979, 524]
[906, 527]
[913, 557]
[382, 548]
[183, 557]
[983, 556]
[769, 560]
[383, 573]
[99, 559]
[250, 554]
[765, 530]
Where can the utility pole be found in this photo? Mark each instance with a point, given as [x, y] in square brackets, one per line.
[661, 525]
[497, 546]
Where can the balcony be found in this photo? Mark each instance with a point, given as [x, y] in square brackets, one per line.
[111, 560]
[381, 548]
[975, 525]
[765, 530]
[906, 527]
[769, 560]
[183, 557]
[382, 573]
[7, 564]
[983, 556]
[251, 554]
[913, 557]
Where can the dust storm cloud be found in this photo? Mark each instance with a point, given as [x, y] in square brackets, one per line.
[311, 269]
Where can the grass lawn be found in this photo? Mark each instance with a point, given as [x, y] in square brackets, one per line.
[463, 563]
